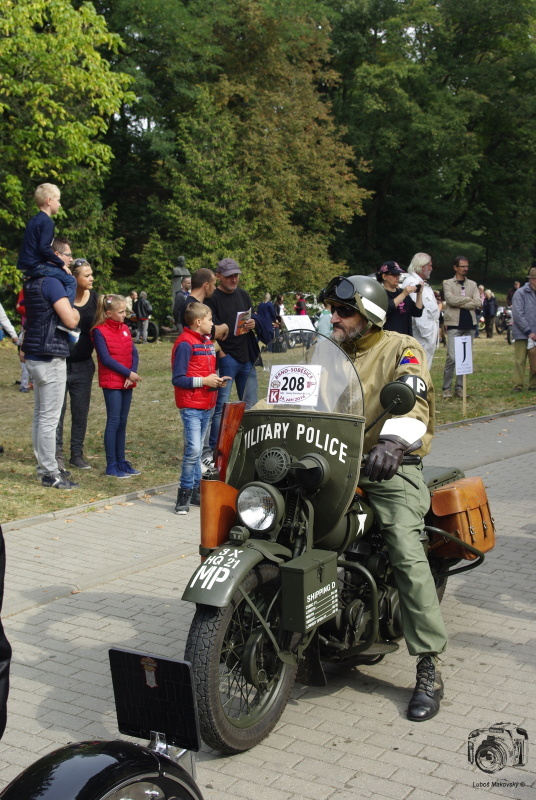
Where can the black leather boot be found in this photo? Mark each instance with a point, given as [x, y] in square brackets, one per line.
[424, 703]
[196, 496]
[182, 506]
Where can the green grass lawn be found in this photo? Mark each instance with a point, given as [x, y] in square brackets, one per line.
[154, 433]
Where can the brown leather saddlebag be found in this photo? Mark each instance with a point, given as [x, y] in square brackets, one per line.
[462, 508]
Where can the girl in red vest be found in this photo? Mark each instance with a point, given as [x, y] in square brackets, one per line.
[118, 361]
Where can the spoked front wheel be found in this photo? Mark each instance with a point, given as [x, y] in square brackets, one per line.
[242, 685]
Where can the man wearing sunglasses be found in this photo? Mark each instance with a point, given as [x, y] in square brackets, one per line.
[359, 307]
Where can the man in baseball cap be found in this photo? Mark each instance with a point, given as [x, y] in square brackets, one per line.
[239, 351]
[228, 267]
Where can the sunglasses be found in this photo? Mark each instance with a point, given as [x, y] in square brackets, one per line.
[342, 311]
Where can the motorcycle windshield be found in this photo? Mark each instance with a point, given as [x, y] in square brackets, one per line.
[303, 397]
[304, 371]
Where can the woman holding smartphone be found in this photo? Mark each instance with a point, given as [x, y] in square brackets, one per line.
[401, 306]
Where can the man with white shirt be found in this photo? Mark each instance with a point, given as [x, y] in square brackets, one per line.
[426, 327]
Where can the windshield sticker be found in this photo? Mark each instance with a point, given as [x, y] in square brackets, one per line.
[294, 384]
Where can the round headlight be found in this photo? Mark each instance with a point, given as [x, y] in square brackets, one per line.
[260, 507]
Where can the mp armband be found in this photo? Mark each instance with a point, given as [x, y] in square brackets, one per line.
[416, 383]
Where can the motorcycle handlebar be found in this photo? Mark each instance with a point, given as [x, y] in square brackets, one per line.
[409, 460]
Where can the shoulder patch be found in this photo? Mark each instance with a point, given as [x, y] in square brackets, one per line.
[409, 357]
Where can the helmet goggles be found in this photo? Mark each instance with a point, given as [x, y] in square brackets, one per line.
[360, 293]
[340, 288]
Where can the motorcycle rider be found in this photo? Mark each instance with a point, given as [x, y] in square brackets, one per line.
[359, 305]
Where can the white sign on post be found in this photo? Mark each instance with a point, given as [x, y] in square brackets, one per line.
[294, 383]
[463, 354]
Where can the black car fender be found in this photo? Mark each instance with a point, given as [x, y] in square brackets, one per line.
[89, 770]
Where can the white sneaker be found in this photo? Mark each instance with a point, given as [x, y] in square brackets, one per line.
[207, 464]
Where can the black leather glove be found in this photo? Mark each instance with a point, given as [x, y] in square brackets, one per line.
[385, 458]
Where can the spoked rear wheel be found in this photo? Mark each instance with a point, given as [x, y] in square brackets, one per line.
[242, 685]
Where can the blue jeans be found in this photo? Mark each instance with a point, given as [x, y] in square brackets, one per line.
[238, 371]
[49, 271]
[117, 407]
[196, 422]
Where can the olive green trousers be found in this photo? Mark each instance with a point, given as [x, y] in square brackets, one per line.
[400, 509]
[520, 364]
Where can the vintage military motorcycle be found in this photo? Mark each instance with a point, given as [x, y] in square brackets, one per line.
[294, 569]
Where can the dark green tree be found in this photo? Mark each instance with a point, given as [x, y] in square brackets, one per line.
[436, 98]
[232, 145]
[57, 94]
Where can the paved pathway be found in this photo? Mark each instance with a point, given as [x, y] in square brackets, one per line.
[115, 575]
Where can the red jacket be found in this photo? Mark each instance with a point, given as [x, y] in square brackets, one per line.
[21, 306]
[201, 363]
[119, 343]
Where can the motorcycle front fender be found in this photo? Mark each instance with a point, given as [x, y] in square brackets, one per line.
[84, 770]
[215, 581]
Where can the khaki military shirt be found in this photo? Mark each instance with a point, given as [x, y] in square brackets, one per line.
[384, 356]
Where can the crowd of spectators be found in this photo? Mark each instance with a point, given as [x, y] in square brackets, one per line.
[58, 315]
[58, 308]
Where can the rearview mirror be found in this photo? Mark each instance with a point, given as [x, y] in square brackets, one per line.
[397, 398]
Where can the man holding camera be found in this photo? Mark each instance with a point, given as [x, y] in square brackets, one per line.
[401, 306]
